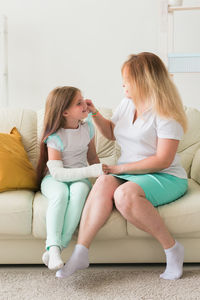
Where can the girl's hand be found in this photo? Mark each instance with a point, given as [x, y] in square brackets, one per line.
[90, 106]
[115, 169]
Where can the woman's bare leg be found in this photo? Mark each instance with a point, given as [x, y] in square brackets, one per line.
[131, 202]
[97, 209]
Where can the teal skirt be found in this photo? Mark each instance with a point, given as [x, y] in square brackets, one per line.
[159, 188]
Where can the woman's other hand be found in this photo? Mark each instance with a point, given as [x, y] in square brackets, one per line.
[115, 169]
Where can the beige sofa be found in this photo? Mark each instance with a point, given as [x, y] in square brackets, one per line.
[22, 212]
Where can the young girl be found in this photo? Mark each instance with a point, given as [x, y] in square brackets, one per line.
[148, 125]
[67, 145]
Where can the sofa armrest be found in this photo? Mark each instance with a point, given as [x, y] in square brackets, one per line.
[195, 168]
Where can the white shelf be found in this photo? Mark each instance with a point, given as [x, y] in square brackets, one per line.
[180, 62]
[176, 8]
[184, 62]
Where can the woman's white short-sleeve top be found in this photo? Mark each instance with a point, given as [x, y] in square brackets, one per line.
[138, 140]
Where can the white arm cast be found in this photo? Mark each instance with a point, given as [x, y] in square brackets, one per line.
[60, 173]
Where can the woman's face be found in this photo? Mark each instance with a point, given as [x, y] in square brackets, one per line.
[128, 89]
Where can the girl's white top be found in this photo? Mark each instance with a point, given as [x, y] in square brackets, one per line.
[73, 144]
[138, 140]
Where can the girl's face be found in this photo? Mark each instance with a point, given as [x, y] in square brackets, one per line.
[77, 110]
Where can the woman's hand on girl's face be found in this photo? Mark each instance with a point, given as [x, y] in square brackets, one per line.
[90, 105]
[111, 169]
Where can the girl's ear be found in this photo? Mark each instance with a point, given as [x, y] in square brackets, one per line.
[65, 113]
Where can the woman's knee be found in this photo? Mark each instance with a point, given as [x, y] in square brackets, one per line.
[102, 191]
[106, 184]
[125, 197]
[104, 180]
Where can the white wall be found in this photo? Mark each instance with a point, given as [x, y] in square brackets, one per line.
[84, 43]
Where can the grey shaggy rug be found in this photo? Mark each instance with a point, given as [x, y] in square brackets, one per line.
[99, 282]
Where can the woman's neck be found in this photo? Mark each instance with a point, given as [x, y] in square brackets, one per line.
[142, 108]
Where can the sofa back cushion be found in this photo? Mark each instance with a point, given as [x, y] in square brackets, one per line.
[26, 123]
[105, 148]
[191, 140]
[109, 151]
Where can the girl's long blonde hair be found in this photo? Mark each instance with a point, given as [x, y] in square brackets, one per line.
[148, 74]
[58, 100]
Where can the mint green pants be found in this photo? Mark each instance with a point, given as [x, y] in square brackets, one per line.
[65, 204]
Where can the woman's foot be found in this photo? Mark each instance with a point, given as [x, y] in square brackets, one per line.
[78, 261]
[174, 259]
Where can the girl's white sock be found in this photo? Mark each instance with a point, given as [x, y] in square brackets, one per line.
[174, 259]
[45, 258]
[55, 261]
[79, 260]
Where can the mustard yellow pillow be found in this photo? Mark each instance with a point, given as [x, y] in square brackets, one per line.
[16, 171]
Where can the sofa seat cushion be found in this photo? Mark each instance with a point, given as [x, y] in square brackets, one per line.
[182, 217]
[114, 228]
[39, 216]
[16, 212]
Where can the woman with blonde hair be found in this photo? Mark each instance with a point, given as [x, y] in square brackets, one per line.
[148, 125]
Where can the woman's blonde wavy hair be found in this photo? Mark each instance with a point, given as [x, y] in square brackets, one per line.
[148, 74]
